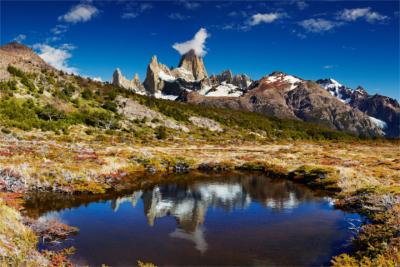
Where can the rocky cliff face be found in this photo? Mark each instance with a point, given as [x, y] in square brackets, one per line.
[383, 111]
[242, 81]
[157, 75]
[193, 64]
[134, 85]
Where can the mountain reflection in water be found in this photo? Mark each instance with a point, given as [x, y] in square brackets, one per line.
[272, 219]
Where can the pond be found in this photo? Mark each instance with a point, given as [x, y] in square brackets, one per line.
[229, 219]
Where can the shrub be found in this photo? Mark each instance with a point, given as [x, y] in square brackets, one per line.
[87, 94]
[99, 118]
[15, 71]
[111, 106]
[5, 130]
[48, 112]
[161, 132]
[8, 85]
[28, 83]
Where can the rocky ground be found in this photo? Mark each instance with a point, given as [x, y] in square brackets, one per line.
[363, 175]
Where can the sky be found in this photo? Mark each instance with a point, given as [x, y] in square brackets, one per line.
[354, 42]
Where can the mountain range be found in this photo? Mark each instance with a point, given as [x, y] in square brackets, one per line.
[325, 102]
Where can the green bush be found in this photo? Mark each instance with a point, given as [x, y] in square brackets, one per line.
[28, 83]
[111, 106]
[87, 94]
[15, 71]
[50, 113]
[8, 85]
[161, 132]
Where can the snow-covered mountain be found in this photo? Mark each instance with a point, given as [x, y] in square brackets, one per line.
[383, 111]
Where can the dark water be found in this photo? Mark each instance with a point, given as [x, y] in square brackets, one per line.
[241, 219]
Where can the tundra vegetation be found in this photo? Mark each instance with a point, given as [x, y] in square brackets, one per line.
[70, 134]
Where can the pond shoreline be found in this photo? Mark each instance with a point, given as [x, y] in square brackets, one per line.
[377, 242]
[71, 202]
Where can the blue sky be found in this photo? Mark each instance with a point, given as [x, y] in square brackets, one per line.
[354, 42]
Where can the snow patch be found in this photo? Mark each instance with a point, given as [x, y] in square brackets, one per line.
[165, 77]
[293, 81]
[225, 89]
[334, 87]
[379, 123]
[163, 96]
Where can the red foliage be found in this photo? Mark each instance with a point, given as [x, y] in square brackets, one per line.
[116, 175]
[12, 199]
[84, 155]
[6, 153]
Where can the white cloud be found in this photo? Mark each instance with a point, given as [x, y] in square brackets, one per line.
[189, 5]
[79, 13]
[56, 56]
[133, 10]
[265, 18]
[53, 39]
[301, 5]
[328, 67]
[59, 29]
[97, 79]
[129, 15]
[178, 16]
[359, 13]
[19, 38]
[238, 14]
[299, 34]
[197, 44]
[318, 25]
[145, 6]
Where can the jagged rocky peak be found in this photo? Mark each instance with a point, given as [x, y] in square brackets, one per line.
[134, 85]
[151, 83]
[156, 74]
[360, 90]
[329, 83]
[194, 64]
[227, 75]
[242, 81]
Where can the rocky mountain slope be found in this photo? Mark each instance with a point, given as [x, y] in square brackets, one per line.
[383, 111]
[285, 96]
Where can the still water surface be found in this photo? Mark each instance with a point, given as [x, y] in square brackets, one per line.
[240, 219]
